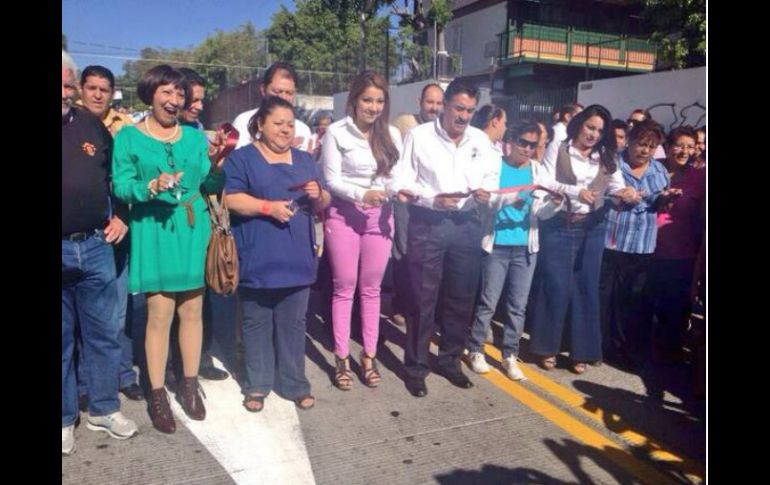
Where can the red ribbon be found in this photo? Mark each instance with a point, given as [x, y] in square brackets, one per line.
[231, 138]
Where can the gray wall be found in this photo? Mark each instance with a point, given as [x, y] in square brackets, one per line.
[676, 93]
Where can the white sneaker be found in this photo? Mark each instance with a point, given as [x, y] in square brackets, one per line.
[68, 440]
[115, 424]
[478, 363]
[513, 370]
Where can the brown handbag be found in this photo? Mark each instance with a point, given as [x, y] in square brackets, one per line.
[221, 256]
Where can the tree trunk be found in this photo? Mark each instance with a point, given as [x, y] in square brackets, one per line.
[441, 41]
[362, 43]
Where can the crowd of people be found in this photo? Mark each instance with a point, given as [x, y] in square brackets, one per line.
[577, 230]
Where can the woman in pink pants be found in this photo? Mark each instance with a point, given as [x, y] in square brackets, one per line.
[358, 156]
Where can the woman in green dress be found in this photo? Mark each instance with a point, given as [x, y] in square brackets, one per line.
[160, 168]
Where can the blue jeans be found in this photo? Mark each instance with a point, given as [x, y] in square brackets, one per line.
[515, 264]
[274, 339]
[125, 320]
[567, 292]
[89, 294]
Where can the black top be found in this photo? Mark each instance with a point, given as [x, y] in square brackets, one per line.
[86, 161]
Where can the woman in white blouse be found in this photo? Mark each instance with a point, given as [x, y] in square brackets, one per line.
[358, 156]
[584, 167]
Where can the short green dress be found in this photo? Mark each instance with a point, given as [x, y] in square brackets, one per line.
[169, 232]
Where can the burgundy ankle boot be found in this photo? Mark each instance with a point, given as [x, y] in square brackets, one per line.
[160, 411]
[191, 400]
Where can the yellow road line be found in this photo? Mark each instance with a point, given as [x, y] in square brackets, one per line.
[613, 451]
[656, 450]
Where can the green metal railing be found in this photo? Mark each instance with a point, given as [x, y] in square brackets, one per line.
[566, 45]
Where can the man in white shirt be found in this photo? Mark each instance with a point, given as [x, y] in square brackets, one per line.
[280, 80]
[431, 105]
[446, 172]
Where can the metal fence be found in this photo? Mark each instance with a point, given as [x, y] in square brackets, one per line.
[536, 105]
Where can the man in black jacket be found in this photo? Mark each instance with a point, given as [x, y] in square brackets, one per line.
[90, 227]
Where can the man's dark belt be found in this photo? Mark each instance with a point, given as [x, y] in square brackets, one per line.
[573, 218]
[79, 236]
[435, 216]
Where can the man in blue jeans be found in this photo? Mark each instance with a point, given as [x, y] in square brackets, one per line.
[89, 292]
[97, 86]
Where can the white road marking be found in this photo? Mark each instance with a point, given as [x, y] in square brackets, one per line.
[254, 448]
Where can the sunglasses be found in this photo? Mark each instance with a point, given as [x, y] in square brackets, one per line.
[526, 143]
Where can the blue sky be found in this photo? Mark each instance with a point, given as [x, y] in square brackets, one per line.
[121, 28]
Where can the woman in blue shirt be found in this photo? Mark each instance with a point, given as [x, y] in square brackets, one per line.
[272, 191]
[511, 241]
[630, 242]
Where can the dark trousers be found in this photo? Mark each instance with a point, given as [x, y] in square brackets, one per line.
[621, 302]
[569, 264]
[401, 293]
[443, 247]
[274, 339]
[668, 293]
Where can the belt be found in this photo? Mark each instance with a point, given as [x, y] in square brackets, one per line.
[79, 236]
[578, 219]
[458, 216]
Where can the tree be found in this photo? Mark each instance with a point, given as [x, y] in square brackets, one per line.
[440, 13]
[64, 42]
[223, 58]
[679, 31]
[363, 13]
[313, 38]
[240, 53]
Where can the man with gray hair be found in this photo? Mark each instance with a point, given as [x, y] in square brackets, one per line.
[90, 228]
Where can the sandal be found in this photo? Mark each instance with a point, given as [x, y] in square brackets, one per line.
[250, 399]
[343, 376]
[372, 375]
[298, 402]
[578, 367]
[548, 363]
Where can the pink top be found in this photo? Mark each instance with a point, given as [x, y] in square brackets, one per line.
[680, 227]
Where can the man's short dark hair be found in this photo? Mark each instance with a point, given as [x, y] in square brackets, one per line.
[98, 71]
[192, 76]
[619, 125]
[279, 67]
[459, 86]
[427, 87]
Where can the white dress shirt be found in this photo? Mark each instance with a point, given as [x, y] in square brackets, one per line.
[432, 164]
[585, 169]
[348, 163]
[241, 123]
[559, 135]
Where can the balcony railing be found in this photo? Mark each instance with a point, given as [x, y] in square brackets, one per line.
[529, 42]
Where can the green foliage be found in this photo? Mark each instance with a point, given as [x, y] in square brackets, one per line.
[222, 59]
[440, 12]
[362, 13]
[679, 31]
[64, 42]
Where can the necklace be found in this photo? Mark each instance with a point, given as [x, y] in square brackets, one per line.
[149, 131]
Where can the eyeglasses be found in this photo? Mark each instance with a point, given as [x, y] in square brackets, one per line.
[679, 148]
[170, 155]
[177, 190]
[526, 143]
